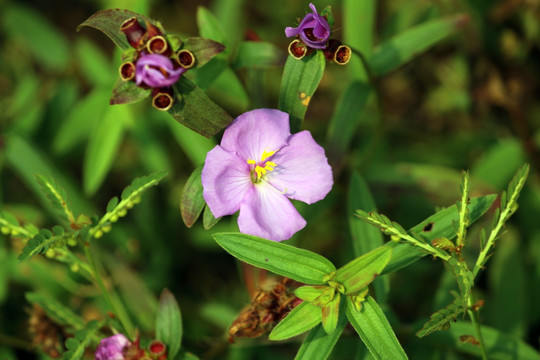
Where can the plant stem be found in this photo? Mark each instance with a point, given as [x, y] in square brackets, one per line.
[113, 301]
[476, 322]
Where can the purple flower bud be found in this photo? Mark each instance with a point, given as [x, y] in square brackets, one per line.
[155, 70]
[112, 348]
[313, 30]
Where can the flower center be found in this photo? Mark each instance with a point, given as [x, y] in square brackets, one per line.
[262, 167]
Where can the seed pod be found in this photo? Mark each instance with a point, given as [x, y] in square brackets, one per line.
[185, 58]
[158, 45]
[162, 99]
[133, 30]
[297, 49]
[127, 71]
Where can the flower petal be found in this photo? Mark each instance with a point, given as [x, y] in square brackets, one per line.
[302, 170]
[307, 22]
[257, 131]
[267, 213]
[226, 180]
[156, 70]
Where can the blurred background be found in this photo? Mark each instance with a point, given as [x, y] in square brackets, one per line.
[469, 102]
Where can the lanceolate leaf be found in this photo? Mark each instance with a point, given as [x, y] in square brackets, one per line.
[109, 22]
[169, 323]
[373, 328]
[192, 201]
[286, 260]
[57, 311]
[127, 92]
[196, 111]
[298, 321]
[330, 314]
[318, 344]
[298, 84]
[403, 47]
[257, 54]
[102, 147]
[439, 225]
[203, 49]
[364, 237]
[209, 220]
[360, 272]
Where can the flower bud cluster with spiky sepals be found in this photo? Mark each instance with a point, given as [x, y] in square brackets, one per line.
[157, 62]
[313, 33]
[118, 347]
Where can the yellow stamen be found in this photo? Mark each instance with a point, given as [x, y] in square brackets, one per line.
[261, 170]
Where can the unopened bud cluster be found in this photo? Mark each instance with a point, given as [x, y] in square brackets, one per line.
[156, 63]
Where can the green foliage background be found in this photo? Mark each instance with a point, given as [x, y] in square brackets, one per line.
[468, 102]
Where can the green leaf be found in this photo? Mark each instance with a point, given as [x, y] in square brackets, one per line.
[346, 116]
[127, 92]
[130, 196]
[439, 225]
[441, 319]
[42, 242]
[508, 285]
[464, 279]
[81, 121]
[298, 84]
[228, 89]
[310, 293]
[209, 26]
[94, 65]
[405, 46]
[318, 344]
[509, 152]
[286, 260]
[196, 111]
[204, 50]
[256, 54]
[358, 27]
[57, 196]
[192, 201]
[103, 147]
[37, 35]
[364, 237]
[27, 161]
[360, 272]
[194, 145]
[56, 311]
[373, 328]
[498, 344]
[76, 345]
[209, 220]
[231, 15]
[302, 318]
[169, 323]
[109, 22]
[330, 314]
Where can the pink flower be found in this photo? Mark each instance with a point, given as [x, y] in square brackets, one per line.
[313, 30]
[156, 71]
[112, 348]
[258, 167]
